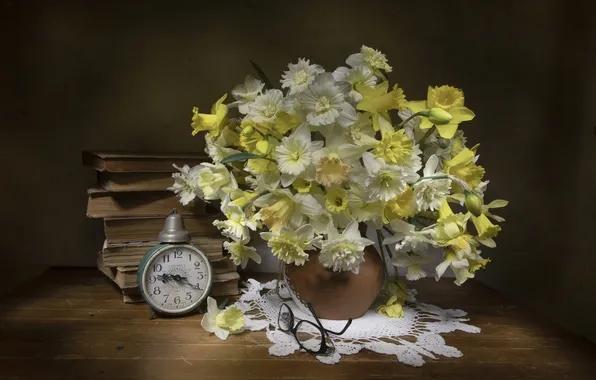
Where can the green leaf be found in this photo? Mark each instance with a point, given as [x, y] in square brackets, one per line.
[498, 203]
[240, 157]
[261, 75]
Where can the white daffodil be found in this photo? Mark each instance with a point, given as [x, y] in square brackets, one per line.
[384, 182]
[408, 238]
[412, 126]
[262, 183]
[371, 58]
[186, 185]
[361, 75]
[246, 93]
[300, 75]
[324, 102]
[410, 248]
[345, 251]
[429, 190]
[318, 216]
[240, 252]
[266, 106]
[294, 154]
[362, 131]
[222, 323]
[332, 163]
[460, 268]
[237, 225]
[212, 180]
[217, 149]
[279, 208]
[289, 246]
[361, 209]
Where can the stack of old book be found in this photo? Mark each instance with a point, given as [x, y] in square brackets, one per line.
[131, 197]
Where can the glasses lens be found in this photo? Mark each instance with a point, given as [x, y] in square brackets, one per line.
[311, 338]
[284, 319]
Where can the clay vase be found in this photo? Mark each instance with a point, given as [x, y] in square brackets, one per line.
[336, 295]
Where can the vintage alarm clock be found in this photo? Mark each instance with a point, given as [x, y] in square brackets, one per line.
[175, 276]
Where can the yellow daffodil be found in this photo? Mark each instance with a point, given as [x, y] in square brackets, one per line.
[476, 265]
[451, 232]
[213, 122]
[301, 185]
[222, 323]
[378, 101]
[278, 209]
[462, 166]
[440, 101]
[484, 227]
[249, 137]
[261, 165]
[243, 197]
[391, 309]
[400, 207]
[473, 203]
[395, 148]
[336, 200]
[285, 122]
[458, 143]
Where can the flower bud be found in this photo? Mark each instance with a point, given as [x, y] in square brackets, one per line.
[262, 147]
[473, 203]
[248, 130]
[439, 116]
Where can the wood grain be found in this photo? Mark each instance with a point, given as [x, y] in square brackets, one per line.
[71, 323]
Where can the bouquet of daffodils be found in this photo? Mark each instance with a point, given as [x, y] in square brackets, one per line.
[307, 161]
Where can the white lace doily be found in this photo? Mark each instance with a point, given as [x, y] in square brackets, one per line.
[410, 339]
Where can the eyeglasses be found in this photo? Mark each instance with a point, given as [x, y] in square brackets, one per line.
[313, 338]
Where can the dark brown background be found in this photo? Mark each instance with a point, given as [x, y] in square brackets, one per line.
[125, 75]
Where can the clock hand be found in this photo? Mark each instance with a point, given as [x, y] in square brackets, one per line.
[177, 277]
[197, 287]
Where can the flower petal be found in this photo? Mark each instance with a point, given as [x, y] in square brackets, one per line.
[447, 131]
[221, 333]
[461, 114]
[370, 162]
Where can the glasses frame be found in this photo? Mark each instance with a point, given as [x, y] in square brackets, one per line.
[324, 349]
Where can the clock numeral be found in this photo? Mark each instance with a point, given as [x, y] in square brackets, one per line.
[166, 258]
[152, 280]
[200, 276]
[166, 300]
[157, 268]
[188, 296]
[156, 290]
[177, 254]
[189, 257]
[177, 300]
[197, 264]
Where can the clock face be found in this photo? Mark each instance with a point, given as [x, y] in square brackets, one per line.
[176, 279]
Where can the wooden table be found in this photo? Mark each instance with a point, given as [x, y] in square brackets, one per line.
[71, 323]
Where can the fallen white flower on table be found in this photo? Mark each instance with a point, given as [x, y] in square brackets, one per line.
[222, 323]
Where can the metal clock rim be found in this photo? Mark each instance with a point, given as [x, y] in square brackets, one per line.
[146, 263]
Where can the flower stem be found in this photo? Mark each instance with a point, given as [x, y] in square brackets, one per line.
[253, 199]
[386, 280]
[426, 135]
[433, 177]
[408, 119]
